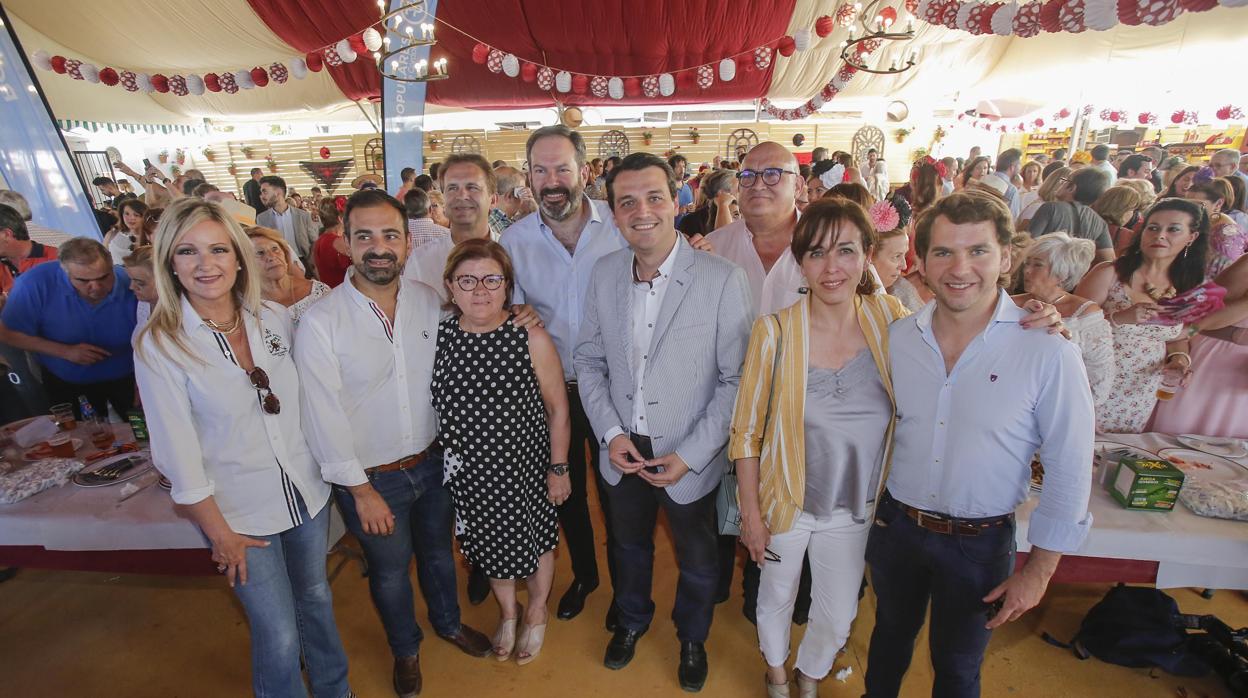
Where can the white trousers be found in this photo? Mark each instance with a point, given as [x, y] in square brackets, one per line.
[837, 546]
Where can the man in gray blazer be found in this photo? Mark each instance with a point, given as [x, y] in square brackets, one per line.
[658, 362]
[295, 224]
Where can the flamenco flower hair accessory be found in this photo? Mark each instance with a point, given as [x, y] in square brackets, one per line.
[1204, 174]
[884, 216]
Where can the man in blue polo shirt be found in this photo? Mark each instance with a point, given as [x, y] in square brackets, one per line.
[77, 318]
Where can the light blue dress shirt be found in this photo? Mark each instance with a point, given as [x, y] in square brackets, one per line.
[555, 282]
[964, 441]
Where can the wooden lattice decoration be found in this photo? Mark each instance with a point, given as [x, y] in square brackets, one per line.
[613, 143]
[865, 139]
[465, 144]
[739, 143]
[374, 155]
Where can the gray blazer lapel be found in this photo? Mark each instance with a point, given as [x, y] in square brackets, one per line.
[682, 279]
[624, 304]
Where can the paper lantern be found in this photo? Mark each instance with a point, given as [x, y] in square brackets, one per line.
[332, 59]
[963, 18]
[599, 86]
[1050, 21]
[212, 82]
[1198, 5]
[494, 61]
[194, 85]
[1100, 15]
[372, 39]
[145, 83]
[73, 68]
[802, 39]
[762, 57]
[228, 84]
[356, 42]
[345, 52]
[129, 81]
[949, 14]
[259, 76]
[563, 81]
[580, 83]
[511, 65]
[58, 64]
[160, 83]
[545, 78]
[480, 53]
[1027, 21]
[706, 77]
[911, 6]
[90, 72]
[325, 153]
[177, 85]
[109, 77]
[314, 61]
[889, 15]
[1072, 18]
[1158, 12]
[667, 85]
[42, 60]
[727, 69]
[1129, 12]
[299, 69]
[650, 86]
[845, 14]
[632, 87]
[1003, 20]
[787, 46]
[278, 73]
[528, 72]
[824, 26]
[243, 79]
[615, 88]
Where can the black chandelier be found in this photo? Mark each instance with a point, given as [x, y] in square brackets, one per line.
[875, 33]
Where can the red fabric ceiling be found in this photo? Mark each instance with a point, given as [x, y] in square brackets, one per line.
[641, 37]
[308, 25]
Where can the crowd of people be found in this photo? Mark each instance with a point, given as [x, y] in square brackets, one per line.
[855, 366]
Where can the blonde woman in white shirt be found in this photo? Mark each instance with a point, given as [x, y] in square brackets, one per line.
[221, 393]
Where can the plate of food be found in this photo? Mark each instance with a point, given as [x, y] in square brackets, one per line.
[45, 449]
[112, 471]
[1203, 465]
[1216, 445]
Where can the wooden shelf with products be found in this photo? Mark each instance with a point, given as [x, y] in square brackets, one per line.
[1045, 142]
[1196, 144]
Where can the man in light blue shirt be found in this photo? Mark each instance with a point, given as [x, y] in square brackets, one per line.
[977, 396]
[553, 251]
[1009, 162]
[684, 194]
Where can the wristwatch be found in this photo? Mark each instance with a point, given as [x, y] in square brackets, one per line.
[558, 469]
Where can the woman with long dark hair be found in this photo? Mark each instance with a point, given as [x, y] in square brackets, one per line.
[1166, 258]
[128, 233]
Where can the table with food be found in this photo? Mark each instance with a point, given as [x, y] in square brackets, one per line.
[1168, 510]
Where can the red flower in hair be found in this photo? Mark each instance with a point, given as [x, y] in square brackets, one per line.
[340, 203]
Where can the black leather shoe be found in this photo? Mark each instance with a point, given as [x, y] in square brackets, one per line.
[478, 587]
[620, 649]
[613, 618]
[573, 601]
[407, 682]
[692, 670]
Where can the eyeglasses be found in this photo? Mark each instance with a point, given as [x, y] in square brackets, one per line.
[770, 176]
[492, 282]
[260, 381]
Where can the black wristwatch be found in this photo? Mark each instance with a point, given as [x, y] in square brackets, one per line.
[558, 469]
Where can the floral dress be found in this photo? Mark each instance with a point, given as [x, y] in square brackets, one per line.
[1140, 351]
[1227, 243]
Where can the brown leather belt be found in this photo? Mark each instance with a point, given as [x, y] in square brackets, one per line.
[401, 464]
[947, 525]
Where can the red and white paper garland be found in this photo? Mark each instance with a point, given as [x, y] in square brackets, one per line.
[1179, 117]
[830, 90]
[1026, 20]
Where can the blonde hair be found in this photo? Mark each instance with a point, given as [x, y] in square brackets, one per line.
[1117, 202]
[258, 231]
[1050, 185]
[141, 257]
[1143, 187]
[165, 326]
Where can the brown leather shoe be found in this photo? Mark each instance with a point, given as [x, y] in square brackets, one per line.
[407, 681]
[470, 641]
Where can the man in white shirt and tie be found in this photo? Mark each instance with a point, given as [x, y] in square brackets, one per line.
[977, 396]
[468, 183]
[365, 354]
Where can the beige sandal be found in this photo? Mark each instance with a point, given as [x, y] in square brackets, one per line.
[806, 686]
[776, 690]
[505, 636]
[530, 644]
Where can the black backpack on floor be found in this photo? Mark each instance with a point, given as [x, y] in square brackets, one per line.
[1137, 627]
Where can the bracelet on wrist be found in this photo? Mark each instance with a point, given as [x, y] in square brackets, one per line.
[1183, 354]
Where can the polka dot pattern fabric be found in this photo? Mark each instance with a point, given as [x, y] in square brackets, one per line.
[492, 423]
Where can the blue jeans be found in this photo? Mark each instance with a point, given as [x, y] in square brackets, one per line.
[423, 524]
[291, 612]
[910, 565]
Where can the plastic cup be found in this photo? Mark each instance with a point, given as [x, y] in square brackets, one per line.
[61, 446]
[63, 415]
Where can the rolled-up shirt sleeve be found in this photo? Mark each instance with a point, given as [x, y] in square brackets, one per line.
[325, 424]
[170, 424]
[1066, 421]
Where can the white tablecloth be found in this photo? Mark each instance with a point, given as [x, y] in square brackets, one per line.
[1192, 551]
[80, 518]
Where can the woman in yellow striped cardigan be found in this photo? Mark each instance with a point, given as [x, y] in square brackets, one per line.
[810, 438]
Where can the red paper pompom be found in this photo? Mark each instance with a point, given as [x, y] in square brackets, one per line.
[1146, 118]
[632, 87]
[481, 52]
[212, 82]
[324, 153]
[985, 16]
[1050, 15]
[889, 15]
[1038, 123]
[1178, 116]
[357, 44]
[528, 72]
[1129, 12]
[825, 24]
[109, 77]
[315, 61]
[580, 83]
[787, 46]
[260, 76]
[58, 64]
[160, 83]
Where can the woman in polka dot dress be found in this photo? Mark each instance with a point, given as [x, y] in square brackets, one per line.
[503, 420]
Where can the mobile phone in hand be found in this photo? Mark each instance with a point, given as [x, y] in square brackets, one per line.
[147, 164]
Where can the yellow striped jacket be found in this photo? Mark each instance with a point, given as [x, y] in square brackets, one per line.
[781, 446]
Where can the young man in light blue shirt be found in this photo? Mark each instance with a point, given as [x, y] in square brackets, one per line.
[977, 396]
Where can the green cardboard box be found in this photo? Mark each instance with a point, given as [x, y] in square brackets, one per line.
[1146, 484]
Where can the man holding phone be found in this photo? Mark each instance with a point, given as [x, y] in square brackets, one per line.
[658, 363]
